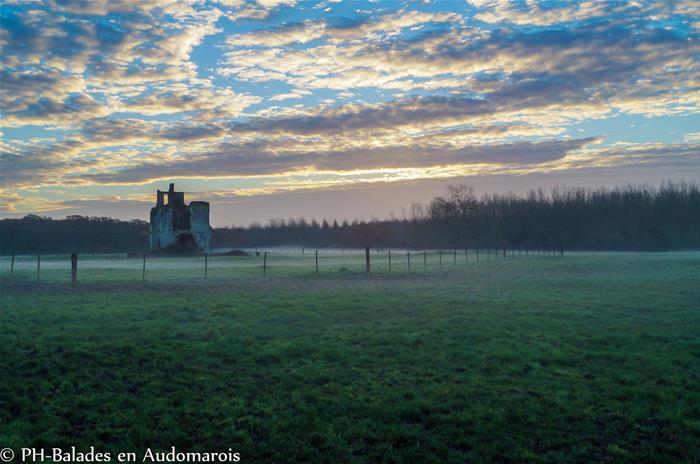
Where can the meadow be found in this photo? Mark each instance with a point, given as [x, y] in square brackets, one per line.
[590, 357]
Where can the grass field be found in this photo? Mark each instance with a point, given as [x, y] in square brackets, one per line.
[581, 358]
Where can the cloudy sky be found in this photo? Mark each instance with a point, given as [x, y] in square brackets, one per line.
[284, 108]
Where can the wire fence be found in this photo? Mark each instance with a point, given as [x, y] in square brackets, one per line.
[87, 267]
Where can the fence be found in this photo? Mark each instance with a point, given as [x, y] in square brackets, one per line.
[259, 263]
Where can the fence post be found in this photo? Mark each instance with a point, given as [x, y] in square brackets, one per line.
[38, 267]
[389, 260]
[143, 270]
[12, 265]
[367, 258]
[504, 252]
[408, 256]
[206, 265]
[477, 255]
[425, 261]
[440, 254]
[316, 261]
[73, 268]
[264, 262]
[455, 258]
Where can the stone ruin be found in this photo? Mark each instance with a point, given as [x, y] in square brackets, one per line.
[177, 227]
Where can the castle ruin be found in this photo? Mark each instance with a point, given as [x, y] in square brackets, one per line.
[177, 226]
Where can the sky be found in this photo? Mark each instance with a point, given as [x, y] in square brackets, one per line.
[288, 108]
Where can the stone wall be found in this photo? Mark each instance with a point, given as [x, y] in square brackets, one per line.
[162, 233]
[199, 224]
[175, 222]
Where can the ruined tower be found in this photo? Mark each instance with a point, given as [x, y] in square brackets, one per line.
[177, 226]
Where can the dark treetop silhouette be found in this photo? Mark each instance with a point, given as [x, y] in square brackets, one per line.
[629, 218]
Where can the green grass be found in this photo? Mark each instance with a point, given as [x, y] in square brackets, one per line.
[582, 358]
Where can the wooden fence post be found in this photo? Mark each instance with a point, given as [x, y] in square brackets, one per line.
[264, 263]
[425, 261]
[454, 260]
[73, 268]
[316, 261]
[367, 258]
[38, 267]
[143, 270]
[12, 265]
[477, 255]
[408, 256]
[206, 265]
[440, 254]
[389, 260]
[504, 253]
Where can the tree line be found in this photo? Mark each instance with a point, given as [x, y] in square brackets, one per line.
[35, 234]
[624, 218]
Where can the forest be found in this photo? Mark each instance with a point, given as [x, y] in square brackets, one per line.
[624, 218]
[36, 234]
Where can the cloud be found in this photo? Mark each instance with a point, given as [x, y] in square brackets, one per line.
[387, 25]
[24, 86]
[628, 65]
[258, 10]
[290, 95]
[37, 163]
[48, 110]
[526, 97]
[533, 12]
[126, 91]
[692, 137]
[59, 62]
[105, 7]
[288, 34]
[260, 159]
[180, 98]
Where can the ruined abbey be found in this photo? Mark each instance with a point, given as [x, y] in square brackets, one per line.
[179, 227]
